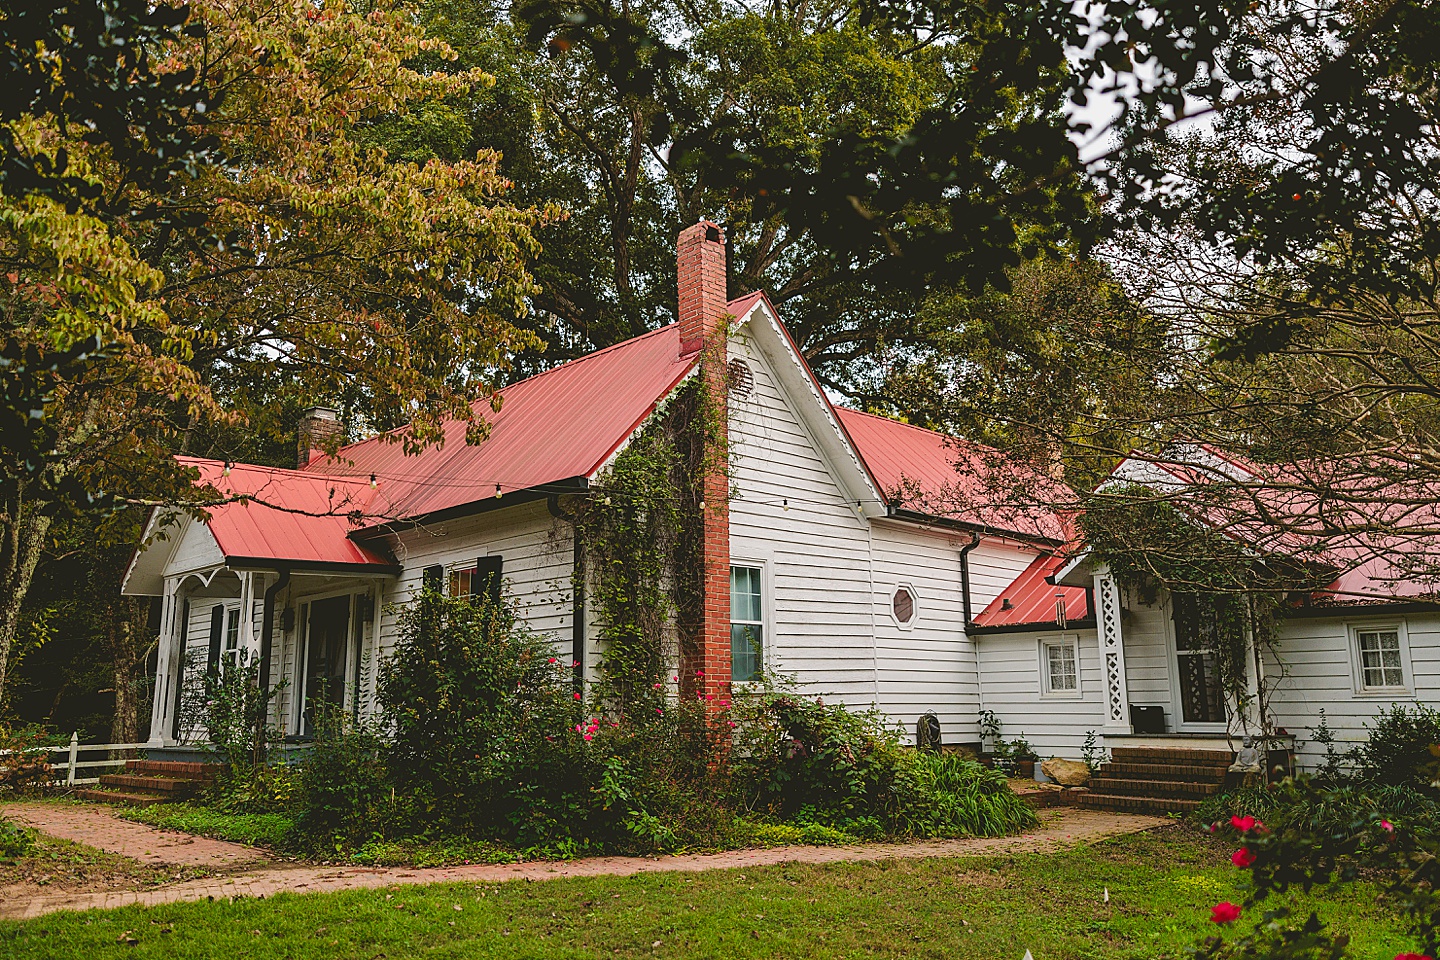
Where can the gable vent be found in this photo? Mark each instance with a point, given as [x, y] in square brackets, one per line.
[740, 378]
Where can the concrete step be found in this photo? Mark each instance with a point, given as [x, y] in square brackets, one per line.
[1155, 805]
[124, 797]
[1200, 773]
[1153, 788]
[176, 769]
[1171, 755]
[150, 784]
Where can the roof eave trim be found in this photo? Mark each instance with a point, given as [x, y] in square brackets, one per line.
[474, 507]
[907, 515]
[315, 566]
[1044, 626]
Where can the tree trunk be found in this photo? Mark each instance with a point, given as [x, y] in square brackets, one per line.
[23, 528]
[128, 638]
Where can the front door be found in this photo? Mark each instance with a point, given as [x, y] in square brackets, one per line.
[325, 653]
[1196, 661]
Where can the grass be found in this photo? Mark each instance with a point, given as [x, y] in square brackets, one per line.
[256, 829]
[55, 865]
[1160, 888]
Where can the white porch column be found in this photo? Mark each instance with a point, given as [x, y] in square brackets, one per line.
[167, 657]
[1252, 721]
[248, 641]
[1112, 651]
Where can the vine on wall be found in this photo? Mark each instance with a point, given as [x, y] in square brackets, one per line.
[1239, 598]
[641, 530]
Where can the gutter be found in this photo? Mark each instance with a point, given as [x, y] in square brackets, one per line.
[577, 587]
[1047, 626]
[965, 580]
[524, 495]
[896, 512]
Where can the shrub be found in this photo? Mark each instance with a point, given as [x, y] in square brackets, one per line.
[949, 796]
[485, 722]
[345, 793]
[800, 754]
[1398, 749]
[15, 841]
[24, 761]
[234, 713]
[266, 788]
[1326, 809]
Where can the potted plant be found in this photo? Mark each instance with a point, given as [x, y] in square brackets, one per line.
[990, 742]
[1001, 758]
[1023, 757]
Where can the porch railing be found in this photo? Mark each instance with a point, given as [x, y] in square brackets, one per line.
[71, 765]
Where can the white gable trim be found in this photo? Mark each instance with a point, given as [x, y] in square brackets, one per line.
[156, 557]
[813, 409]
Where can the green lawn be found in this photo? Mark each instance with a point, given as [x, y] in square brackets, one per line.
[1160, 886]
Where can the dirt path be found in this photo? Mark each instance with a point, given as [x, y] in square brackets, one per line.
[1060, 827]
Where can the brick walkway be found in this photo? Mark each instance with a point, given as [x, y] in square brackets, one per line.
[94, 826]
[1060, 827]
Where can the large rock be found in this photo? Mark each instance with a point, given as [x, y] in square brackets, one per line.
[1069, 773]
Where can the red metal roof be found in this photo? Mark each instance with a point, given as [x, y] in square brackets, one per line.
[295, 517]
[940, 475]
[1030, 600]
[555, 426]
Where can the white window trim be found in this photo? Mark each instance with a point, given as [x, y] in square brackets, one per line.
[767, 606]
[1357, 673]
[915, 600]
[1043, 660]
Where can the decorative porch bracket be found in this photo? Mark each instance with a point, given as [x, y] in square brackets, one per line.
[1112, 651]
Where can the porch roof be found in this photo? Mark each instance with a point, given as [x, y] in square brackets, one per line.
[1031, 600]
[288, 516]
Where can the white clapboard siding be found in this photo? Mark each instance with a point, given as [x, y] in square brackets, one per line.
[1010, 685]
[930, 665]
[1148, 641]
[194, 547]
[1312, 667]
[816, 553]
[537, 551]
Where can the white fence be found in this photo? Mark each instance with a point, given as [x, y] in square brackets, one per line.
[71, 763]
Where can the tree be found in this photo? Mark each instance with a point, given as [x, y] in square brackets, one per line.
[620, 157]
[323, 270]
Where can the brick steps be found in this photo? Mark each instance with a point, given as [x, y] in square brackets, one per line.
[148, 782]
[1153, 788]
[1156, 779]
[1113, 801]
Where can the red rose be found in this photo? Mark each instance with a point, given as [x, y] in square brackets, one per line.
[1413, 956]
[1226, 912]
[1244, 824]
[1242, 858]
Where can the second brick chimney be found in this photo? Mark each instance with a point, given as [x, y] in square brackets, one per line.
[319, 427]
[704, 320]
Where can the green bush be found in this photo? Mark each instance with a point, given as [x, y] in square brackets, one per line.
[1327, 809]
[488, 737]
[949, 796]
[1398, 749]
[800, 754]
[15, 841]
[344, 789]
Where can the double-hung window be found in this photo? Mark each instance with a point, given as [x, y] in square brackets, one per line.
[1060, 667]
[232, 633]
[747, 628]
[1379, 658]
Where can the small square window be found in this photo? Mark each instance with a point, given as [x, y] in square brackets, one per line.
[1380, 660]
[1062, 671]
[747, 629]
[460, 582]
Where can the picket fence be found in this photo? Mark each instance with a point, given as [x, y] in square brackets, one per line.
[72, 765]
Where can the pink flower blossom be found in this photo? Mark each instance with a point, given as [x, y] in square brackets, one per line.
[1242, 858]
[1226, 912]
[724, 703]
[553, 660]
[1387, 826]
[659, 686]
[699, 673]
[577, 696]
[589, 737]
[1413, 956]
[732, 723]
[1244, 824]
[659, 711]
[709, 696]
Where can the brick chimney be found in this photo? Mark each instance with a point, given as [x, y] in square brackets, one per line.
[318, 426]
[704, 319]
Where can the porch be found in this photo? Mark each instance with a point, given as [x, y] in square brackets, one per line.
[311, 636]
